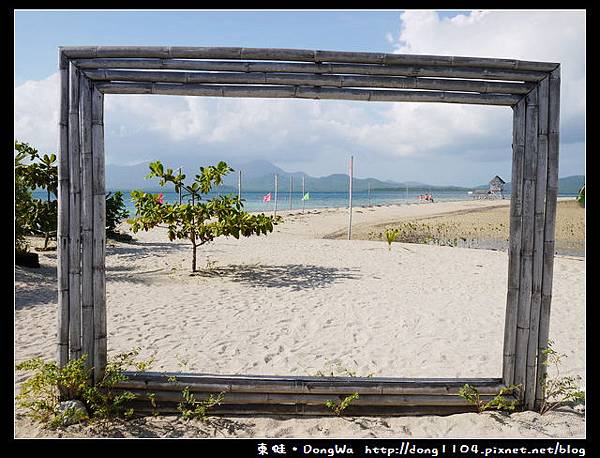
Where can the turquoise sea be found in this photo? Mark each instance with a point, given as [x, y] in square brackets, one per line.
[253, 201]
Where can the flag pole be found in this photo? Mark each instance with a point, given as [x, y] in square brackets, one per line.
[291, 190]
[275, 212]
[303, 194]
[350, 200]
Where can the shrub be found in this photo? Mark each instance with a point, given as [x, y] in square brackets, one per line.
[35, 216]
[390, 236]
[116, 212]
[49, 385]
[499, 402]
[192, 409]
[558, 390]
[338, 407]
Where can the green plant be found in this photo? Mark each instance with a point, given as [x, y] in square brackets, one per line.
[49, 385]
[36, 216]
[41, 393]
[390, 236]
[192, 409]
[499, 402]
[198, 221]
[116, 212]
[558, 390]
[581, 196]
[23, 201]
[338, 407]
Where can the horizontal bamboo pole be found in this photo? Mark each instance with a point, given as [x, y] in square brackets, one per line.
[311, 399]
[302, 55]
[314, 68]
[171, 408]
[310, 80]
[307, 93]
[305, 385]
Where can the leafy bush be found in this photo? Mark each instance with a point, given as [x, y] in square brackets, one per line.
[49, 385]
[390, 236]
[199, 221]
[23, 201]
[35, 216]
[558, 390]
[499, 402]
[338, 407]
[581, 196]
[116, 212]
[192, 409]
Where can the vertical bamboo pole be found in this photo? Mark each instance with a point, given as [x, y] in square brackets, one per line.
[350, 199]
[239, 185]
[75, 217]
[538, 241]
[514, 248]
[62, 232]
[87, 218]
[276, 185]
[527, 233]
[99, 237]
[303, 194]
[549, 228]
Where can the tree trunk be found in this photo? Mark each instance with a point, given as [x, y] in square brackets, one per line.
[194, 246]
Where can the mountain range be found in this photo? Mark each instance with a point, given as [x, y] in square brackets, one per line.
[258, 176]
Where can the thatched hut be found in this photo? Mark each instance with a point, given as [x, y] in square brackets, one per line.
[493, 192]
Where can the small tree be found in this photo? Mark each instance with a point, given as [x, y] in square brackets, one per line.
[199, 221]
[37, 216]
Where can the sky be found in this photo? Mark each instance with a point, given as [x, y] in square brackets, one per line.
[439, 144]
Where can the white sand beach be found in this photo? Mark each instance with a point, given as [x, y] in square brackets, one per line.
[300, 301]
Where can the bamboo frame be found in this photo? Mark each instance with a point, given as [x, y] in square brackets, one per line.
[532, 89]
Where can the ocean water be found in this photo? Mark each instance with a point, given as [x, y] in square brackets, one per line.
[253, 201]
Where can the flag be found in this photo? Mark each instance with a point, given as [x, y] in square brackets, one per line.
[306, 196]
[267, 198]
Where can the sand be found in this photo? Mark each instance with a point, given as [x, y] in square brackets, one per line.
[295, 302]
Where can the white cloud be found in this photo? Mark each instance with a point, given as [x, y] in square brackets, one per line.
[36, 113]
[553, 36]
[324, 132]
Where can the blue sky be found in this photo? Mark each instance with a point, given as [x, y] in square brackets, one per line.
[440, 144]
[39, 33]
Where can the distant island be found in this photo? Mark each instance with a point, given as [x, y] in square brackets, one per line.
[258, 177]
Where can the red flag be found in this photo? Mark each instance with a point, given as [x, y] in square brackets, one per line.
[267, 198]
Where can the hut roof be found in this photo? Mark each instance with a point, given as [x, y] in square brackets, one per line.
[497, 180]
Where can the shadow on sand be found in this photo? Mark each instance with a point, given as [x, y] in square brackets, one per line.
[295, 276]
